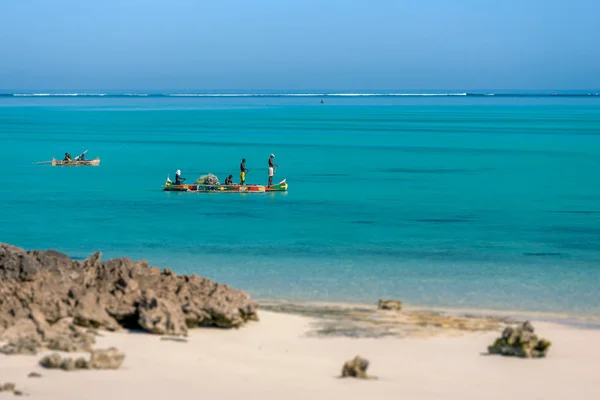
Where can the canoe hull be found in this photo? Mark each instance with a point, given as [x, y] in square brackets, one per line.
[280, 187]
[85, 163]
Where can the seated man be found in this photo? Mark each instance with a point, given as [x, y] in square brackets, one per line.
[82, 157]
[178, 179]
[67, 157]
[229, 180]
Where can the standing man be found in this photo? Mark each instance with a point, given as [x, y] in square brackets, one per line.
[178, 179]
[271, 169]
[243, 171]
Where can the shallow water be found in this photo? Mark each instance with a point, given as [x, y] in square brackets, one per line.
[458, 202]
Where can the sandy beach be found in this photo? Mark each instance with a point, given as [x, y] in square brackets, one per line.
[276, 359]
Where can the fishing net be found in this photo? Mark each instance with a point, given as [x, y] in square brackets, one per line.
[208, 179]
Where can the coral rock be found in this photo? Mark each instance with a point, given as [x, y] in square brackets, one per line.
[7, 387]
[395, 305]
[355, 368]
[110, 358]
[51, 361]
[45, 292]
[23, 345]
[67, 364]
[520, 341]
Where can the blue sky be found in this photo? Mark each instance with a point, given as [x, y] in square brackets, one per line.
[292, 44]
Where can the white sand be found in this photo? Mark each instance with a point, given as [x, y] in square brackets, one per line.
[273, 359]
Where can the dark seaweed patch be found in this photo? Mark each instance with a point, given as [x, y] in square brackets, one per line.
[332, 175]
[576, 211]
[429, 171]
[441, 220]
[543, 254]
[421, 170]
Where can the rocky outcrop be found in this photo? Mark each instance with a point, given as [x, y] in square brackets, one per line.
[110, 358]
[160, 316]
[21, 345]
[76, 342]
[395, 305]
[7, 387]
[10, 388]
[520, 341]
[51, 361]
[356, 368]
[47, 297]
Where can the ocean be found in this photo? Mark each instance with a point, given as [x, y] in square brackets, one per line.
[453, 200]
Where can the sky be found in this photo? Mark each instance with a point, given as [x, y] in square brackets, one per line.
[299, 44]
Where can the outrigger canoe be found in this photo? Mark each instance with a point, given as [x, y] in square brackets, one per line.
[79, 163]
[217, 188]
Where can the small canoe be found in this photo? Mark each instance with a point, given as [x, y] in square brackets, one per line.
[79, 163]
[279, 187]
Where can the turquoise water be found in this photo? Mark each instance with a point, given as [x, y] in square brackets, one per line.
[454, 201]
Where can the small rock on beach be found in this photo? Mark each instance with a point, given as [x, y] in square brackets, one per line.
[520, 341]
[356, 368]
[395, 305]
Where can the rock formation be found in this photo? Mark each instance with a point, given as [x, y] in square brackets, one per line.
[7, 387]
[395, 305]
[110, 358]
[356, 368]
[10, 388]
[47, 299]
[21, 345]
[520, 342]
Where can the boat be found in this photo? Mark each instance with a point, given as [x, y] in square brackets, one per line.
[218, 188]
[76, 163]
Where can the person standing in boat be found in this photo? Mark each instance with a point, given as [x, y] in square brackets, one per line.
[243, 171]
[271, 169]
[178, 179]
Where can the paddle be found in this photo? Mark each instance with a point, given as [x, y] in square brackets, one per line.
[77, 158]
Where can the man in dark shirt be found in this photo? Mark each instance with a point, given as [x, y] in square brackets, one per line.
[229, 180]
[178, 179]
[243, 171]
[271, 169]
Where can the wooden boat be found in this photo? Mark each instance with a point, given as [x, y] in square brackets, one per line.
[218, 188]
[79, 163]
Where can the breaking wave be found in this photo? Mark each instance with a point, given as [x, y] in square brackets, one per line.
[300, 94]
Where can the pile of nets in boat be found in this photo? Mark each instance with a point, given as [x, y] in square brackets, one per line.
[208, 179]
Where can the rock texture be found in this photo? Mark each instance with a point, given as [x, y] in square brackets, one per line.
[7, 387]
[520, 341]
[48, 298]
[110, 358]
[21, 345]
[51, 361]
[395, 305]
[355, 368]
